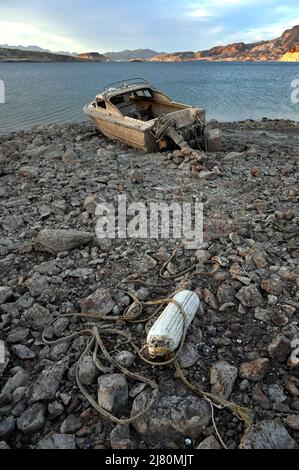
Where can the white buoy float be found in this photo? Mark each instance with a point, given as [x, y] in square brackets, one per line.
[166, 334]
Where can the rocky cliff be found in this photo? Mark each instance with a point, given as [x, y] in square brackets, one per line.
[93, 57]
[272, 50]
[292, 55]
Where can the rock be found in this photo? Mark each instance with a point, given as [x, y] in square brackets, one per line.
[90, 204]
[209, 443]
[49, 268]
[70, 424]
[136, 389]
[57, 241]
[120, 437]
[206, 174]
[48, 381]
[202, 256]
[60, 326]
[276, 393]
[19, 409]
[233, 155]
[255, 171]
[59, 350]
[249, 296]
[5, 294]
[272, 300]
[57, 441]
[37, 284]
[262, 315]
[272, 286]
[70, 157]
[4, 446]
[172, 418]
[244, 385]
[258, 256]
[32, 420]
[188, 356]
[53, 295]
[65, 398]
[268, 434]
[259, 397]
[225, 294]
[146, 263]
[55, 409]
[100, 302]
[293, 422]
[125, 358]
[280, 348]
[87, 371]
[280, 320]
[222, 378]
[28, 171]
[18, 335]
[18, 394]
[209, 298]
[113, 392]
[22, 352]
[254, 370]
[25, 302]
[45, 212]
[291, 385]
[36, 317]
[19, 379]
[7, 427]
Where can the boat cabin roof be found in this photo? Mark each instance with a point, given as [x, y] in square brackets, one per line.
[123, 90]
[123, 87]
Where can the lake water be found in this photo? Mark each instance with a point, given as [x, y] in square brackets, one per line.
[56, 92]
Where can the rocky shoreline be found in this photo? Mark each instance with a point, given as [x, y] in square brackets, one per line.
[51, 264]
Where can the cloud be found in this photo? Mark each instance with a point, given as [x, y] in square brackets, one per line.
[200, 13]
[164, 25]
[27, 34]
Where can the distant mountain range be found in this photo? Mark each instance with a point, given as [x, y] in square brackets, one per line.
[36, 49]
[17, 55]
[123, 56]
[127, 55]
[284, 48]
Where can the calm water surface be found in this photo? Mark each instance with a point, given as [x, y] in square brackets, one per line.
[56, 92]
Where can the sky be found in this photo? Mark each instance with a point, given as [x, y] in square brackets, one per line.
[162, 25]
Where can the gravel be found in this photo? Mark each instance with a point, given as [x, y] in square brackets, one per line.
[51, 265]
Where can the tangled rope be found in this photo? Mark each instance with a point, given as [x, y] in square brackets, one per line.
[132, 314]
[162, 126]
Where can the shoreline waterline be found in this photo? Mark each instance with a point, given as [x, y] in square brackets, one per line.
[45, 93]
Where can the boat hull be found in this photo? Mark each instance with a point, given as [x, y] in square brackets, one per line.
[137, 137]
[139, 134]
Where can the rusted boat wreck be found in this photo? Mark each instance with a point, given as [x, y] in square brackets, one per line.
[134, 112]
